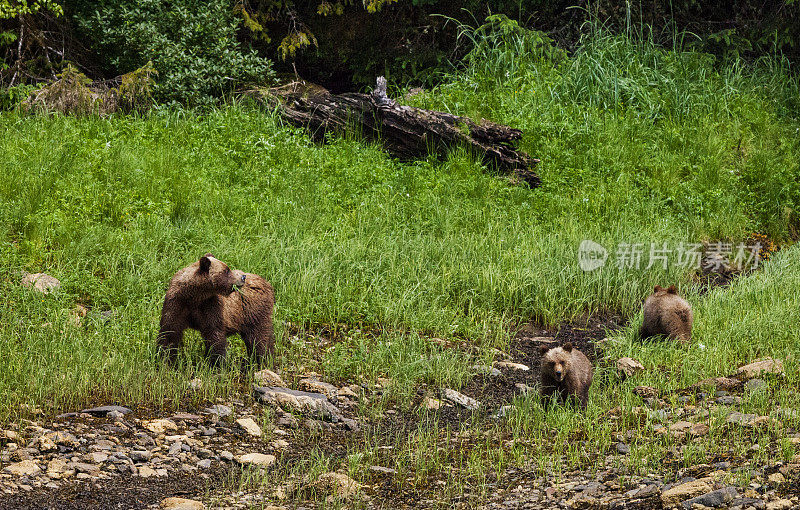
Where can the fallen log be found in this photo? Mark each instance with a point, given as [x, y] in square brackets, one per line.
[406, 132]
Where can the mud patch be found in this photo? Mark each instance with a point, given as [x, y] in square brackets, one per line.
[119, 492]
[719, 265]
[584, 333]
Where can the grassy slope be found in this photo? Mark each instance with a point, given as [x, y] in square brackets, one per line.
[637, 145]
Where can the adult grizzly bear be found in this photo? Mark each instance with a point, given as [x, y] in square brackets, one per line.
[667, 314]
[211, 298]
[565, 372]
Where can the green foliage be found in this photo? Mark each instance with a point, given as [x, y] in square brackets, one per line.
[11, 32]
[11, 97]
[135, 91]
[191, 44]
[14, 8]
[258, 14]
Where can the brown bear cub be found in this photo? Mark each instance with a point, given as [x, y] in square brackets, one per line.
[667, 314]
[211, 298]
[566, 372]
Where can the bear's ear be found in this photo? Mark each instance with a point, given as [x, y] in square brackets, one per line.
[657, 288]
[567, 346]
[544, 348]
[205, 263]
[672, 289]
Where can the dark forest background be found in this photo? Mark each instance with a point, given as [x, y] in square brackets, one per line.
[204, 50]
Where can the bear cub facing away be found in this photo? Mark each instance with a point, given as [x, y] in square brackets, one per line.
[218, 302]
[566, 372]
[667, 314]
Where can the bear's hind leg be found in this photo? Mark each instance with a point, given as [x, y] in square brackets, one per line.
[259, 343]
[216, 347]
[170, 340]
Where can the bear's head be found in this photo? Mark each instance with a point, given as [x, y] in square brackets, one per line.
[215, 277]
[555, 361]
[658, 290]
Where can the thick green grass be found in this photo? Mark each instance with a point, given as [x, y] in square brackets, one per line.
[638, 145]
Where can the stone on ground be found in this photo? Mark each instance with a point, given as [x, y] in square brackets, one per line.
[684, 491]
[41, 282]
[760, 367]
[181, 504]
[23, 468]
[336, 484]
[628, 367]
[249, 426]
[460, 399]
[256, 459]
[267, 377]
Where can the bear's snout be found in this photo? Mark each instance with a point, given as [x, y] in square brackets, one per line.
[239, 280]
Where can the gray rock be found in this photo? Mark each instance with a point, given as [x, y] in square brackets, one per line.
[713, 499]
[729, 400]
[220, 410]
[758, 504]
[256, 459]
[287, 420]
[628, 367]
[144, 439]
[250, 426]
[82, 467]
[741, 419]
[99, 412]
[41, 282]
[623, 448]
[226, 455]
[175, 448]
[301, 401]
[486, 370]
[104, 410]
[141, 455]
[383, 470]
[204, 464]
[267, 377]
[755, 384]
[314, 385]
[647, 491]
[460, 399]
[757, 368]
[350, 425]
[63, 439]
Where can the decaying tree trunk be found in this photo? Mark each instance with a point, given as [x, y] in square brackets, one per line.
[405, 132]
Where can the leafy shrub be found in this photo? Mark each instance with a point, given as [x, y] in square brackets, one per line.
[11, 97]
[70, 94]
[73, 93]
[192, 45]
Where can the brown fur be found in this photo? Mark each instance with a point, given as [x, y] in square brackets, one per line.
[667, 314]
[566, 372]
[211, 298]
